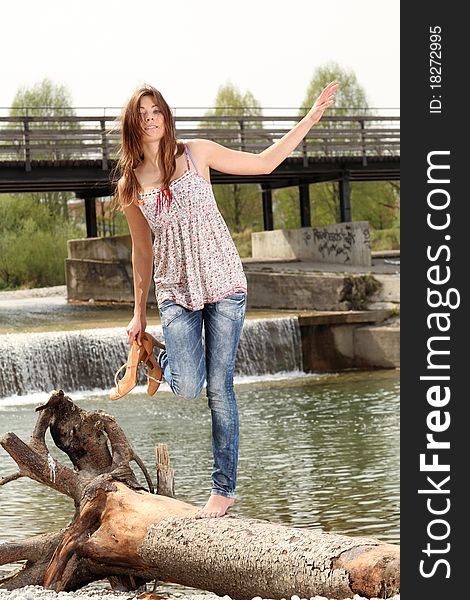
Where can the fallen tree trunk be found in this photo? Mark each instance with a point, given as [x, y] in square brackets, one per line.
[131, 535]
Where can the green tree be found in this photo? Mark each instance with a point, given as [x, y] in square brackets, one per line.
[350, 99]
[46, 99]
[33, 243]
[377, 202]
[240, 204]
[230, 102]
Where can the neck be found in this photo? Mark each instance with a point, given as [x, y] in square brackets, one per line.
[151, 150]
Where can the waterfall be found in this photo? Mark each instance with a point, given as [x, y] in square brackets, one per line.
[269, 346]
[88, 359]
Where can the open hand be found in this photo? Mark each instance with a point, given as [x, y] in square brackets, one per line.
[324, 101]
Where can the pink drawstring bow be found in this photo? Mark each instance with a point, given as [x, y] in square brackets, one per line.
[163, 197]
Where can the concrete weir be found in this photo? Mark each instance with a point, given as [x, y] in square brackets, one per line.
[347, 312]
[348, 315]
[346, 340]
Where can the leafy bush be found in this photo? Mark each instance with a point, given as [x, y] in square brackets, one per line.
[385, 239]
[242, 242]
[33, 243]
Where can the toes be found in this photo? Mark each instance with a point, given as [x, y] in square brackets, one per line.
[207, 515]
[208, 512]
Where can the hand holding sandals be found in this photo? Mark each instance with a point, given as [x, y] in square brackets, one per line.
[136, 329]
[137, 354]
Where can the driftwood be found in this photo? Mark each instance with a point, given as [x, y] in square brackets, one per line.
[131, 535]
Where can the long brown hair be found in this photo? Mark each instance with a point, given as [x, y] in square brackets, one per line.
[130, 153]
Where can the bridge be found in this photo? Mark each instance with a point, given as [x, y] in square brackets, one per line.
[78, 153]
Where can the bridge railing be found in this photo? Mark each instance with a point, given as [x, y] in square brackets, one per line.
[28, 139]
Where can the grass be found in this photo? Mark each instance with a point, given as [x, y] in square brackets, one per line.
[385, 239]
[243, 243]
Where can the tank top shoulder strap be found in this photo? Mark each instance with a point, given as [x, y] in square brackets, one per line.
[188, 153]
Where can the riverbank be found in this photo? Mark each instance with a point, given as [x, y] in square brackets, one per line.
[43, 292]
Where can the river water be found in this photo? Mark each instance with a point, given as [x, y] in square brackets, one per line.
[316, 451]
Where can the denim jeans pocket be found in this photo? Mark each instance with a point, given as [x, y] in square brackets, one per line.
[232, 306]
[169, 311]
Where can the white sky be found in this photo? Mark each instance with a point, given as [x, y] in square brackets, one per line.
[102, 49]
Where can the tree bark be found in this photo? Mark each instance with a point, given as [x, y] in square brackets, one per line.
[131, 535]
[165, 474]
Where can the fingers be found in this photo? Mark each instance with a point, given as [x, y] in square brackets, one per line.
[329, 91]
[137, 338]
[134, 336]
[332, 87]
[135, 329]
[322, 106]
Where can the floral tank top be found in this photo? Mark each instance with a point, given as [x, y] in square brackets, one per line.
[195, 259]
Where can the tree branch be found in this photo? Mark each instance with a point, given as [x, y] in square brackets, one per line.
[41, 468]
[31, 549]
[122, 451]
[12, 477]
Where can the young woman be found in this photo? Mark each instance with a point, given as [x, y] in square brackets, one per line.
[164, 188]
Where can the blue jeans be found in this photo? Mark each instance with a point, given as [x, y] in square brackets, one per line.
[186, 365]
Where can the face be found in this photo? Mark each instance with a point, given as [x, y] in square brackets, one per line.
[152, 119]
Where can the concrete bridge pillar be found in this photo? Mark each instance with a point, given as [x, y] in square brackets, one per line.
[268, 218]
[90, 214]
[304, 196]
[345, 199]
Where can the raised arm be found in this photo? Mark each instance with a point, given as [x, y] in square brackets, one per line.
[223, 159]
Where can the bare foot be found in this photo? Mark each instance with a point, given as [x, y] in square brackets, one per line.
[215, 507]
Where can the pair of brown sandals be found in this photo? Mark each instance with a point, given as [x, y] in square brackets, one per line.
[139, 354]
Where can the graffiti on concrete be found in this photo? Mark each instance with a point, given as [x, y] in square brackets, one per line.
[341, 243]
[334, 244]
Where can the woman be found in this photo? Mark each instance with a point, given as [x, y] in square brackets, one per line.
[165, 188]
